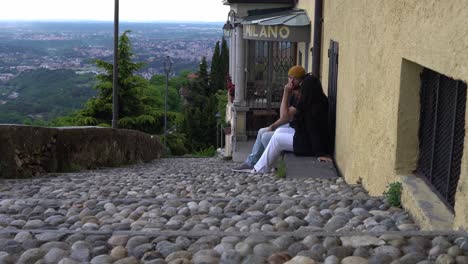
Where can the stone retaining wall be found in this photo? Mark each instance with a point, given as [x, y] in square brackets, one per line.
[27, 151]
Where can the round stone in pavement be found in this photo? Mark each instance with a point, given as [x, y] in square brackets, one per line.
[300, 260]
[354, 260]
[230, 256]
[31, 256]
[331, 260]
[55, 255]
[102, 259]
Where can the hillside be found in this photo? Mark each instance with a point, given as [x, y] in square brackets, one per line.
[44, 94]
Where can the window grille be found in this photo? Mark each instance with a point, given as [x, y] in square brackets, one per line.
[267, 73]
[441, 132]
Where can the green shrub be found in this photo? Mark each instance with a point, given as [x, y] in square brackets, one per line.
[393, 194]
[208, 152]
[221, 96]
[175, 144]
[282, 169]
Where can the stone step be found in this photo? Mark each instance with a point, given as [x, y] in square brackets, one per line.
[183, 247]
[236, 215]
[22, 200]
[308, 167]
[173, 186]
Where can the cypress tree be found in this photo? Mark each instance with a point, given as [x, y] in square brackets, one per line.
[203, 76]
[199, 112]
[224, 62]
[215, 73]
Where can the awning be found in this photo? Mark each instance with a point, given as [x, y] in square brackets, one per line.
[290, 25]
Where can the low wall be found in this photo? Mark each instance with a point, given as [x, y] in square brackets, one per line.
[27, 151]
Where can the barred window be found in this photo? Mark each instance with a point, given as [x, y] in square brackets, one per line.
[441, 132]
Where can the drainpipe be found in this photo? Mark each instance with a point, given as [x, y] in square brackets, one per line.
[317, 48]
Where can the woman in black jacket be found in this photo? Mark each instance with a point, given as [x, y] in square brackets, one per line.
[308, 135]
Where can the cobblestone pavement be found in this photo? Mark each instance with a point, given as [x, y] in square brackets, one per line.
[193, 210]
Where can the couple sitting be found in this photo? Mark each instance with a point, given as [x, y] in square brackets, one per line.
[302, 127]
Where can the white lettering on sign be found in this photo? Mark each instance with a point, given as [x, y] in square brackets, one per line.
[267, 31]
[284, 32]
[273, 31]
[263, 33]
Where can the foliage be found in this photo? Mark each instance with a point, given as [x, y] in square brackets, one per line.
[393, 194]
[44, 94]
[282, 169]
[219, 67]
[207, 152]
[135, 100]
[199, 113]
[203, 78]
[215, 74]
[224, 61]
[222, 102]
[230, 87]
[158, 88]
[176, 144]
[206, 97]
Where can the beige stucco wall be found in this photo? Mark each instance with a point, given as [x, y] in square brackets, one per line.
[375, 38]
[461, 202]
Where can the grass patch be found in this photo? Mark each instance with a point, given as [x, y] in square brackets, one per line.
[208, 152]
[393, 194]
[282, 169]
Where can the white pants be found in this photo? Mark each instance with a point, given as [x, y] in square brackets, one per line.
[282, 140]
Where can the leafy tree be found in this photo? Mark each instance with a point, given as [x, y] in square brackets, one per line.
[44, 94]
[158, 83]
[135, 103]
[199, 112]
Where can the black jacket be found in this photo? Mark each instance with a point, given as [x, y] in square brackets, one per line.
[312, 137]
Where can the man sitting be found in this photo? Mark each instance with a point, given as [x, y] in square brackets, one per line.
[291, 96]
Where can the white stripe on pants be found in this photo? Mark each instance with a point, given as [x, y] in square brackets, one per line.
[282, 140]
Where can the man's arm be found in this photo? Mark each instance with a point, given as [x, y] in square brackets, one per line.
[286, 112]
[283, 120]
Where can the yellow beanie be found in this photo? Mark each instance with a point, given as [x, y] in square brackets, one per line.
[296, 72]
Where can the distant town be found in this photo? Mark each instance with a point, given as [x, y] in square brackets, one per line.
[74, 45]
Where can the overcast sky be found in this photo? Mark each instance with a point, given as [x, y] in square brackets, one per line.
[130, 10]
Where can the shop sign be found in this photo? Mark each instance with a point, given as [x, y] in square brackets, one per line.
[277, 33]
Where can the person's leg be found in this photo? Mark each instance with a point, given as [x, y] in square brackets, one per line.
[281, 140]
[266, 137]
[256, 152]
[258, 147]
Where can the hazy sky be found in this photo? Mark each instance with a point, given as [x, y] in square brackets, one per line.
[130, 10]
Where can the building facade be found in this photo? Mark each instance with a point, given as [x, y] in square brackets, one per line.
[395, 72]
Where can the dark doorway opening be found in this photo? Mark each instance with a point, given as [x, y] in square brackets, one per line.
[332, 89]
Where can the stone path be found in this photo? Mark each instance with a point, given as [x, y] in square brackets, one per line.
[198, 211]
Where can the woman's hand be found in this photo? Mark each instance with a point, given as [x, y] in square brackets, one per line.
[324, 159]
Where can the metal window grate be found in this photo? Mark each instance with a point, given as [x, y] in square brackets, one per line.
[332, 89]
[267, 72]
[441, 132]
[268, 65]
